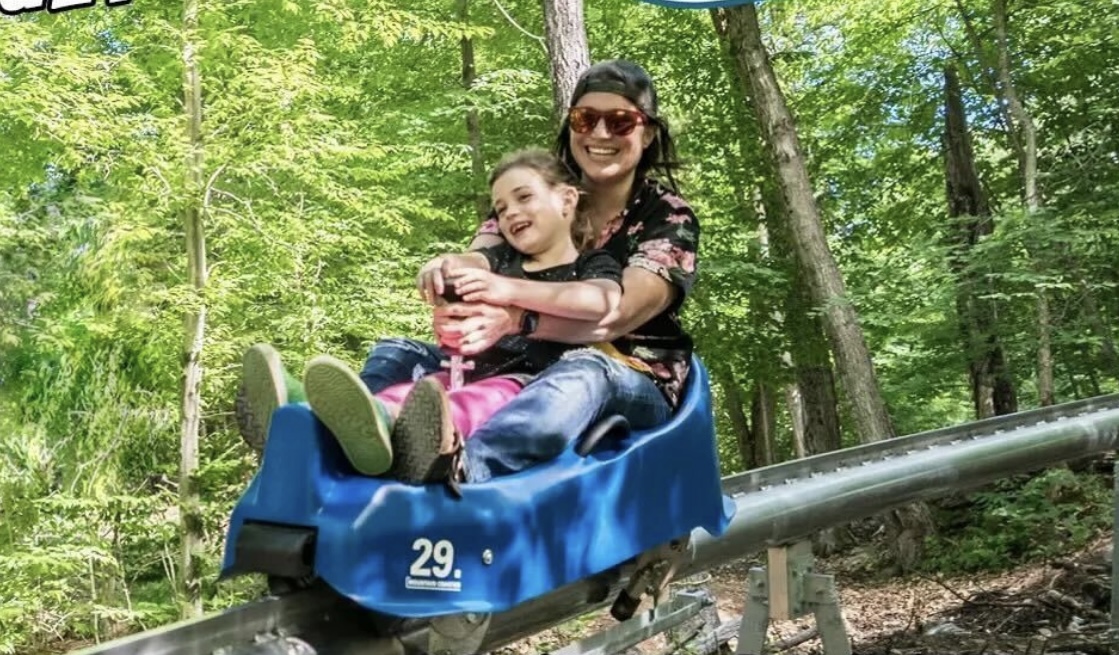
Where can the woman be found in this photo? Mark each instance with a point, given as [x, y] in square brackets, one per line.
[613, 139]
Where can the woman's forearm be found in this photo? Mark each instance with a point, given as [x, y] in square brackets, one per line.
[573, 331]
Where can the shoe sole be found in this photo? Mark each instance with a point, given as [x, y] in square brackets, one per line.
[248, 421]
[343, 403]
[421, 432]
[263, 392]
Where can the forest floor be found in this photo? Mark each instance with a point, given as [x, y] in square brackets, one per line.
[1056, 606]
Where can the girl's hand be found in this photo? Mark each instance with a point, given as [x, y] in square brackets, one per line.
[432, 278]
[475, 285]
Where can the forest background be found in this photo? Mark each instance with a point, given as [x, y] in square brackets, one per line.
[934, 241]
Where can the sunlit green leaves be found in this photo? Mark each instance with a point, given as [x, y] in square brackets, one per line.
[336, 161]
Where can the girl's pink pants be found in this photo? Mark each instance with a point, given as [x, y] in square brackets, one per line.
[471, 405]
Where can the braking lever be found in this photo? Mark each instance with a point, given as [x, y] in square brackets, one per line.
[457, 365]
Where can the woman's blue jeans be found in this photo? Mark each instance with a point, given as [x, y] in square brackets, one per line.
[553, 410]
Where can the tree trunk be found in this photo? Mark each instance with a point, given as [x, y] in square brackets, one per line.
[763, 424]
[740, 26]
[194, 319]
[736, 407]
[1027, 153]
[988, 72]
[1024, 138]
[1108, 356]
[991, 384]
[821, 418]
[1045, 392]
[812, 366]
[811, 398]
[794, 402]
[814, 398]
[473, 127]
[825, 281]
[568, 53]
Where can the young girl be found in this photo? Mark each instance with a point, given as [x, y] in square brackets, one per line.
[540, 265]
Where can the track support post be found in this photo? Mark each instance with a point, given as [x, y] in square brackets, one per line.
[788, 588]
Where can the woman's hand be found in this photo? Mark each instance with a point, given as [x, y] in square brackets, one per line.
[477, 285]
[470, 328]
[431, 280]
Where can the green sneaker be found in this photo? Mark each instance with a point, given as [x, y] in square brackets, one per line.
[265, 387]
[360, 423]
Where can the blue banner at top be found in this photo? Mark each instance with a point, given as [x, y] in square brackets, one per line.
[697, 4]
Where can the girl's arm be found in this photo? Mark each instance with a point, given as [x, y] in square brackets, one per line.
[647, 295]
[590, 300]
[584, 300]
[474, 327]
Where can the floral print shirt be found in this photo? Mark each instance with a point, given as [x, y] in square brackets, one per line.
[658, 232]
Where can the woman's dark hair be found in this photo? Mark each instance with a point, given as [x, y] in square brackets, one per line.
[554, 173]
[632, 82]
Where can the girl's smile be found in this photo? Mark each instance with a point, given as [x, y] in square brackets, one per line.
[533, 216]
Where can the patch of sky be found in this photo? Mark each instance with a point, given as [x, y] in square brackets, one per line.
[818, 44]
[111, 44]
[54, 178]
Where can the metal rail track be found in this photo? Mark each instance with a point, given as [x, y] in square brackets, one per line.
[790, 472]
[776, 504]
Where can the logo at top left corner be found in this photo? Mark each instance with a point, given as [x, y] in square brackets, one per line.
[16, 7]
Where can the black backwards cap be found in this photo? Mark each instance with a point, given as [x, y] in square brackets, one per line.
[619, 77]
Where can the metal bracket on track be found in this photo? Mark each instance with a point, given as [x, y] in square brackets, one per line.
[787, 589]
[653, 571]
[683, 607]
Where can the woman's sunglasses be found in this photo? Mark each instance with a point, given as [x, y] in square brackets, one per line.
[619, 122]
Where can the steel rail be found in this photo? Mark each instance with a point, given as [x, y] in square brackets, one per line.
[776, 504]
[788, 512]
[792, 471]
[294, 613]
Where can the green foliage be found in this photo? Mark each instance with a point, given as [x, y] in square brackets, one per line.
[336, 162]
[1023, 519]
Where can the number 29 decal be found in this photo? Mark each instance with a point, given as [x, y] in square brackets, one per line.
[433, 565]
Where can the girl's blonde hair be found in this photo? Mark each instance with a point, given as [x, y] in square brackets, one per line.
[555, 173]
